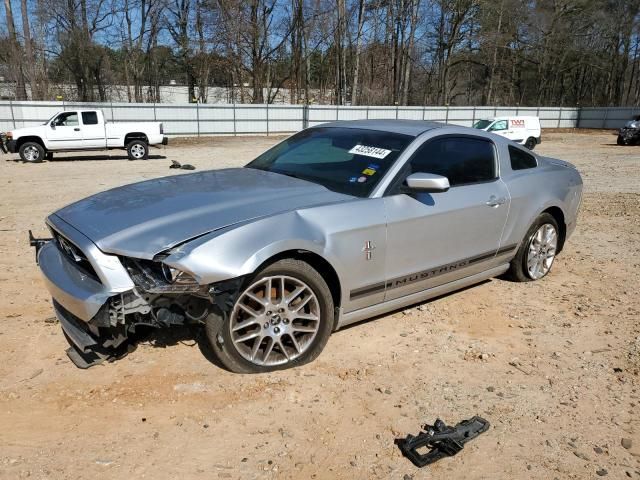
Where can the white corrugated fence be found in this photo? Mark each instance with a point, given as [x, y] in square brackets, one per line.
[191, 119]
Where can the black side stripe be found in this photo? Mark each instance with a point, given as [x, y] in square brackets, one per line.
[426, 274]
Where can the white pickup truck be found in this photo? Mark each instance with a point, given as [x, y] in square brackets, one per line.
[82, 130]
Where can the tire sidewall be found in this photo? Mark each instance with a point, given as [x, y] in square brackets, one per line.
[144, 144]
[34, 144]
[530, 143]
[218, 328]
[521, 258]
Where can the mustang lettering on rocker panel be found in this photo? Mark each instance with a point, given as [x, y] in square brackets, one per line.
[425, 274]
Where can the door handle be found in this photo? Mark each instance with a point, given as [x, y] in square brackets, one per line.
[76, 129]
[495, 201]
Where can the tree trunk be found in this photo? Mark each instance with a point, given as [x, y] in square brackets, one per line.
[356, 68]
[15, 53]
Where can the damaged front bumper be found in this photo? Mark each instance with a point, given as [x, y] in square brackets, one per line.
[630, 135]
[99, 299]
[7, 144]
[82, 306]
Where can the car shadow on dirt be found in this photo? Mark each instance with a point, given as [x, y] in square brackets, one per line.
[188, 335]
[418, 304]
[84, 158]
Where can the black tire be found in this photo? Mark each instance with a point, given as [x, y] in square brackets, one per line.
[219, 332]
[518, 270]
[620, 140]
[138, 150]
[31, 152]
[530, 143]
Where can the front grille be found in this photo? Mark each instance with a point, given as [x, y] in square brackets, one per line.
[73, 253]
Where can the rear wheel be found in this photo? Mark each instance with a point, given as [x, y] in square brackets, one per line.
[138, 150]
[31, 152]
[537, 252]
[282, 318]
[530, 143]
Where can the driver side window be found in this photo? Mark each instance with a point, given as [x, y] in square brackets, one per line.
[67, 119]
[462, 160]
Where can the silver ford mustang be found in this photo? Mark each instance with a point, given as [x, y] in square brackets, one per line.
[336, 224]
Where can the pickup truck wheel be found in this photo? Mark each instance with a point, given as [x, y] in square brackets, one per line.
[138, 150]
[537, 252]
[31, 152]
[282, 318]
[530, 143]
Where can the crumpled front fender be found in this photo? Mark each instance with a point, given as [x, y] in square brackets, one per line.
[239, 251]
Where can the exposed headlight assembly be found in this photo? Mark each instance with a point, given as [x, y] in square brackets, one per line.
[177, 277]
[156, 277]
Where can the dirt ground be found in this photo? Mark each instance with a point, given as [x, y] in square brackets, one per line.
[553, 365]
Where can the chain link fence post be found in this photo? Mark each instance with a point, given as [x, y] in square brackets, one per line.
[198, 117]
[559, 117]
[13, 117]
[235, 132]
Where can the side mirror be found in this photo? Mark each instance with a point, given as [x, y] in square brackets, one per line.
[53, 125]
[427, 182]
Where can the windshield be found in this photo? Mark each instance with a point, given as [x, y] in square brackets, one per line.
[482, 124]
[345, 160]
[51, 118]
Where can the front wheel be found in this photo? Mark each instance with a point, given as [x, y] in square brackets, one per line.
[537, 252]
[530, 143]
[620, 140]
[282, 318]
[137, 150]
[31, 152]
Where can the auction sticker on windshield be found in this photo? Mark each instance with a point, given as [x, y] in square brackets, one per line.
[367, 151]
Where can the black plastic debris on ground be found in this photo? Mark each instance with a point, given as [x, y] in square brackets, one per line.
[439, 440]
[186, 166]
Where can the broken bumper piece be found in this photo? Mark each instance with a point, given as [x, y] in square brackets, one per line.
[87, 349]
[440, 441]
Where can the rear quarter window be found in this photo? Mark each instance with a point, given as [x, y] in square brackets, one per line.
[521, 160]
[89, 118]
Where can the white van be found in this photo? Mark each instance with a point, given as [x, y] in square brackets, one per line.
[524, 130]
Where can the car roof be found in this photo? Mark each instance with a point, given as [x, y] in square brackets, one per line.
[405, 127]
[526, 117]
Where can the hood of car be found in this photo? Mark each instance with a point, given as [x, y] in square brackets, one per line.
[143, 219]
